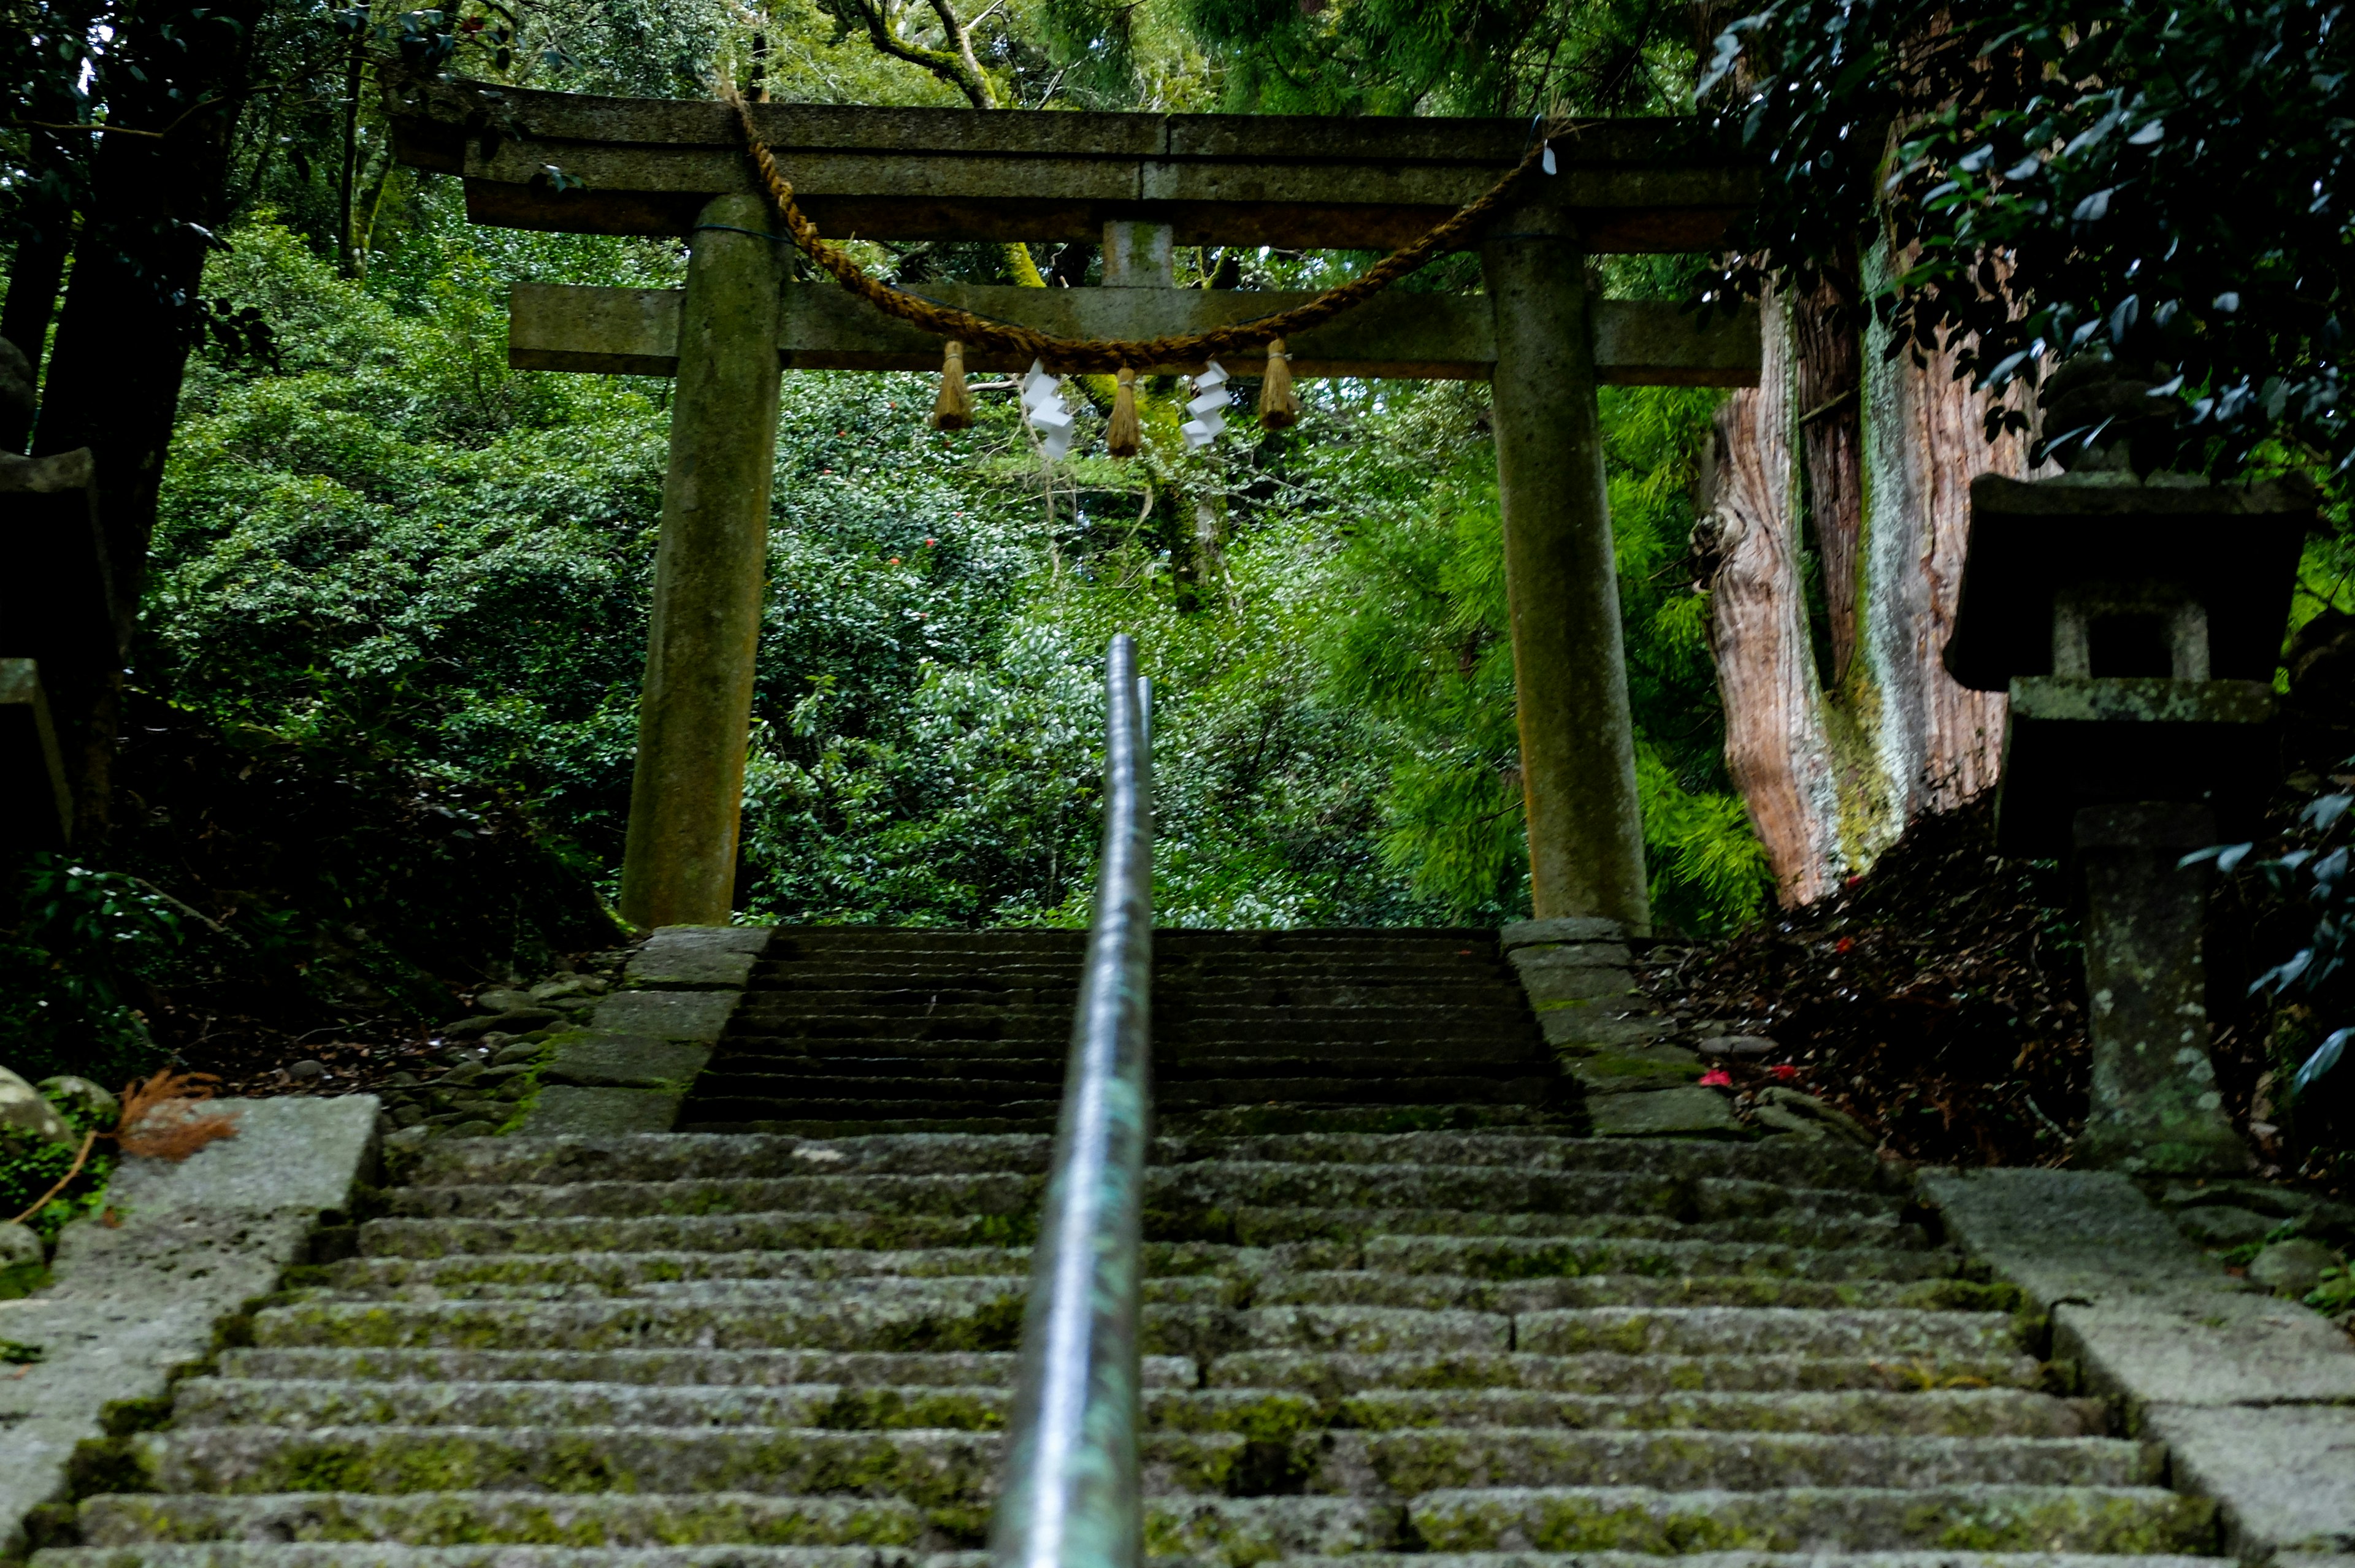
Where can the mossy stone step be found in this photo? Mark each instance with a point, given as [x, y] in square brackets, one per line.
[1335, 1374]
[1223, 1529]
[691, 1367]
[751, 1097]
[431, 1517]
[1267, 1226]
[381, 1554]
[326, 1402]
[1766, 1331]
[985, 1314]
[918, 989]
[1758, 1559]
[591, 1275]
[1551, 1257]
[1203, 1183]
[816, 1119]
[756, 1096]
[623, 1272]
[827, 1230]
[932, 1468]
[1801, 1162]
[671, 1157]
[2122, 1519]
[341, 1398]
[1243, 1226]
[1383, 1287]
[939, 1466]
[675, 1157]
[1411, 1461]
[1409, 1262]
[1308, 1085]
[1942, 1412]
[814, 1073]
[973, 1192]
[824, 1320]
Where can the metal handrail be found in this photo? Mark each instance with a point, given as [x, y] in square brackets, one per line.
[1068, 1496]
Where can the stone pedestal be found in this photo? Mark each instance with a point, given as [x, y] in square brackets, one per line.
[2155, 1109]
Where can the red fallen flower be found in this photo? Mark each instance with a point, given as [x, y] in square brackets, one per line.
[930, 542]
[1717, 1078]
[1844, 944]
[1785, 1071]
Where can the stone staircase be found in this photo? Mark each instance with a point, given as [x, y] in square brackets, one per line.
[1481, 1342]
[846, 1031]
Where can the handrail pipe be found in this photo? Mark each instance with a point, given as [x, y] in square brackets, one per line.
[1069, 1496]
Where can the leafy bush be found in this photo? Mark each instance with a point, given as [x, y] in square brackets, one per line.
[2317, 874]
[31, 1167]
[82, 950]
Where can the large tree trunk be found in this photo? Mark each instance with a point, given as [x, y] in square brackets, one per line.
[1832, 772]
[178, 72]
[1776, 746]
[1827, 378]
[44, 211]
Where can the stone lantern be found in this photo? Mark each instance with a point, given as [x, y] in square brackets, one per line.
[2136, 622]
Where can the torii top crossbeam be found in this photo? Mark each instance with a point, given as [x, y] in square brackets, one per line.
[647, 166]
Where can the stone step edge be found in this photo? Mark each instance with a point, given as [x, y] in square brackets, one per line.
[630, 1069]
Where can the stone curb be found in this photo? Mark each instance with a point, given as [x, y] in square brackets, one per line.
[137, 1303]
[1579, 975]
[2253, 1396]
[1572, 928]
[629, 1071]
[698, 957]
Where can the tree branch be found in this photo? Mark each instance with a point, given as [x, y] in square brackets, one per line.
[954, 66]
[960, 39]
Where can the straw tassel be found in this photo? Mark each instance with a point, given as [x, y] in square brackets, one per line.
[1278, 409]
[1122, 436]
[953, 410]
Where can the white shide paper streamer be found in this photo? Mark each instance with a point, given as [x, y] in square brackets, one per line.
[1211, 395]
[1042, 404]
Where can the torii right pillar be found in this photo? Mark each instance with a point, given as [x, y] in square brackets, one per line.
[1569, 667]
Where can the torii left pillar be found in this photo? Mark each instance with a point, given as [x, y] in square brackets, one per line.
[695, 708]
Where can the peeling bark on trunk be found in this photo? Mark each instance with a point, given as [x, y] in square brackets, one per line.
[1828, 378]
[1832, 776]
[1940, 744]
[1774, 746]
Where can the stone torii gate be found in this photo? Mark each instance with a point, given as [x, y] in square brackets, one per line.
[1139, 185]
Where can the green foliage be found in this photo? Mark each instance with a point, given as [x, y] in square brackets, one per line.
[1447, 56]
[1425, 648]
[2315, 872]
[31, 1166]
[2166, 183]
[2336, 1292]
[82, 952]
